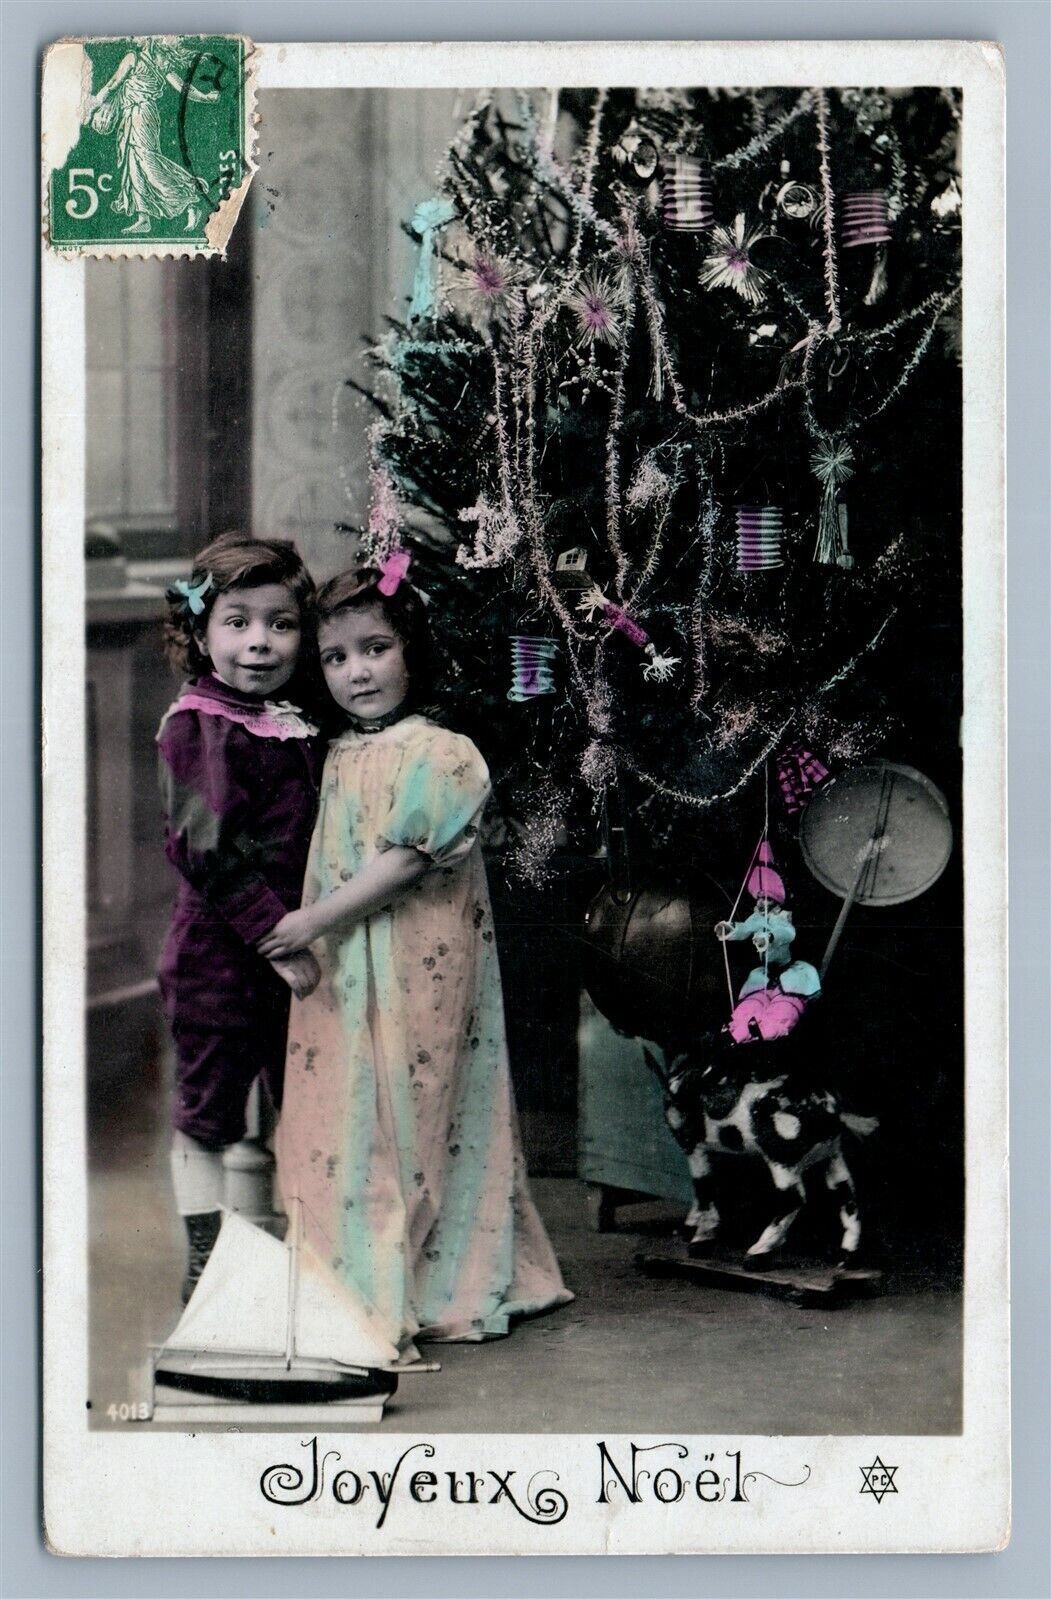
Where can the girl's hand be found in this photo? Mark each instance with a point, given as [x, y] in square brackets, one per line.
[292, 934]
[301, 972]
[723, 931]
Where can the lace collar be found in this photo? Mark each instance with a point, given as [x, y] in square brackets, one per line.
[265, 718]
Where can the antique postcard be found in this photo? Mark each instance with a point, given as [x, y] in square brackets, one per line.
[524, 814]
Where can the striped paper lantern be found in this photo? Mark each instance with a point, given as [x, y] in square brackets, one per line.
[759, 529]
[865, 219]
[686, 195]
[532, 663]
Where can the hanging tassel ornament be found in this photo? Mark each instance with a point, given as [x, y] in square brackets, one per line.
[833, 462]
[660, 667]
[759, 530]
[532, 664]
[686, 195]
[878, 285]
[799, 776]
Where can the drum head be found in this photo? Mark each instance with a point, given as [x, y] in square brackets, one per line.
[897, 807]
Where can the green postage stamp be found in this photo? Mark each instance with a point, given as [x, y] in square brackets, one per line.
[148, 149]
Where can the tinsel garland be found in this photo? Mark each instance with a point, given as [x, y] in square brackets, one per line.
[590, 157]
[512, 521]
[767, 139]
[616, 422]
[829, 219]
[656, 540]
[913, 362]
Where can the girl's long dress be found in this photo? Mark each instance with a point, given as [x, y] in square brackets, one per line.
[398, 1132]
[150, 184]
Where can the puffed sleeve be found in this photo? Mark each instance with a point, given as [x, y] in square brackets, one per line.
[207, 789]
[438, 797]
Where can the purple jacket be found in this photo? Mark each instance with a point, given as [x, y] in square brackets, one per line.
[239, 781]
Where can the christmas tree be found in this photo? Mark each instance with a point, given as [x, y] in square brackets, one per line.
[671, 427]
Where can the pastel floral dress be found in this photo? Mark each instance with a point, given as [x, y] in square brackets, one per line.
[398, 1133]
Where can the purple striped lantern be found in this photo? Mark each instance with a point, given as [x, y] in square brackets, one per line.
[865, 219]
[686, 195]
[759, 529]
[532, 664]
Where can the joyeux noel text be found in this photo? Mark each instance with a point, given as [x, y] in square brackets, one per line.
[631, 1473]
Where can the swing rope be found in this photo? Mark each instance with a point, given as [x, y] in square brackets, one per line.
[763, 838]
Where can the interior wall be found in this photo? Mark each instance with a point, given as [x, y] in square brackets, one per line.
[339, 171]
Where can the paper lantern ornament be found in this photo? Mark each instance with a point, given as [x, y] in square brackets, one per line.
[686, 195]
[759, 530]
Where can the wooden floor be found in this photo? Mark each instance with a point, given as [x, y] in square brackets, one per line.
[633, 1353]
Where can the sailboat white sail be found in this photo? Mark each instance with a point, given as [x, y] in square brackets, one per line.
[267, 1310]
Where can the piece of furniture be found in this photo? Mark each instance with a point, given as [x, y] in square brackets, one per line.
[625, 1149]
[118, 614]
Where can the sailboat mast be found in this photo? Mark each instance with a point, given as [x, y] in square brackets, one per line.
[296, 1220]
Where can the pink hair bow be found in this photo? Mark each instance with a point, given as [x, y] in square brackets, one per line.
[394, 568]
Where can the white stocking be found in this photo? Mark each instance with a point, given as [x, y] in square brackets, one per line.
[197, 1176]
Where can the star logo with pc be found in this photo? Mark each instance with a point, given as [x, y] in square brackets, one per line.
[879, 1480]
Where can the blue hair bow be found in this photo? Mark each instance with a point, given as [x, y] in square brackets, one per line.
[193, 593]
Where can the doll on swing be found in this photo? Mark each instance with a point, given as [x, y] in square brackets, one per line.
[775, 993]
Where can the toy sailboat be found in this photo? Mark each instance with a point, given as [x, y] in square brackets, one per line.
[271, 1333]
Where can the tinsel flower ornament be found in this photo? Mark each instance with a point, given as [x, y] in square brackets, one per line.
[483, 287]
[729, 264]
[597, 307]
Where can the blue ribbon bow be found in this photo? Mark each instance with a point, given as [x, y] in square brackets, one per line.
[428, 217]
[193, 593]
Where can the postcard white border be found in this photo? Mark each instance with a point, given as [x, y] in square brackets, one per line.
[163, 1494]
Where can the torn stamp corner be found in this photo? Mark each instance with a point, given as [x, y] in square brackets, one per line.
[148, 144]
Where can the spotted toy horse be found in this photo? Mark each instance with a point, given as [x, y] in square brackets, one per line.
[756, 1099]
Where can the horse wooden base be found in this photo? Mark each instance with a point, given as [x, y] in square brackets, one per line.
[799, 1280]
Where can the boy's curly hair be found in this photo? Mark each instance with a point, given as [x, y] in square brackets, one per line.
[403, 611]
[232, 561]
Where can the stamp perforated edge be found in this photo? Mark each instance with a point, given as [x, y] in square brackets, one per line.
[220, 224]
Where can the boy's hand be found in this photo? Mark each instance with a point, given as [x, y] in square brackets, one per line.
[300, 971]
[293, 933]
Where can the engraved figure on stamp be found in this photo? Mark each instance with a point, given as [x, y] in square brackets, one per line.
[130, 105]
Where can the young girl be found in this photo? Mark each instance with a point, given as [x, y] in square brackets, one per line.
[238, 777]
[398, 1134]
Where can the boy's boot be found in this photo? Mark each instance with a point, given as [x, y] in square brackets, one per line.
[202, 1231]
